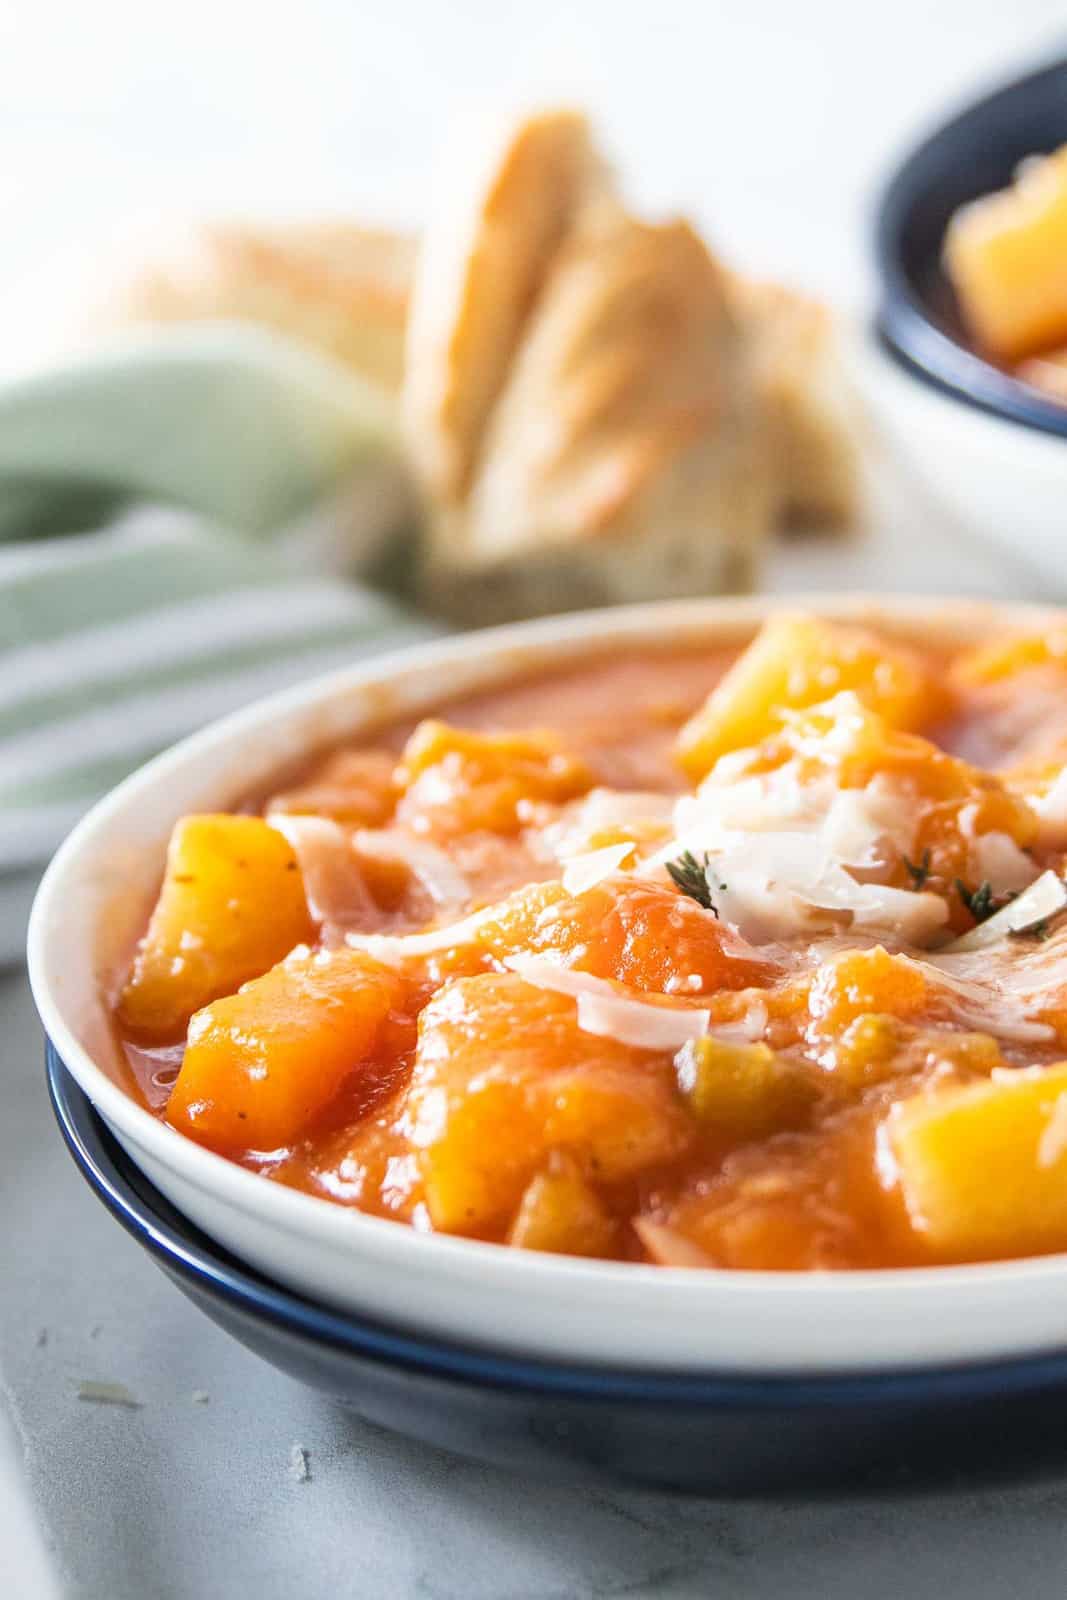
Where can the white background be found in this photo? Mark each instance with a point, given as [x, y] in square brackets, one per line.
[768, 120]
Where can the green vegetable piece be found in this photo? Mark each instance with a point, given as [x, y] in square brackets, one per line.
[743, 1091]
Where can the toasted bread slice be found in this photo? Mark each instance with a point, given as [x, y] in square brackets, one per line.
[483, 261]
[810, 411]
[624, 457]
[340, 288]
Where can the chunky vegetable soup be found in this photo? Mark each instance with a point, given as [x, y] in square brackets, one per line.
[751, 963]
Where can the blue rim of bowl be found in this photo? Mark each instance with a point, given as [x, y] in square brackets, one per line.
[182, 1249]
[903, 328]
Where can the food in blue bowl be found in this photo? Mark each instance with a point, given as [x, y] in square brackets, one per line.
[964, 367]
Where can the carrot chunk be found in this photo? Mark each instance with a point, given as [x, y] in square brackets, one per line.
[503, 1077]
[455, 780]
[263, 1064]
[641, 933]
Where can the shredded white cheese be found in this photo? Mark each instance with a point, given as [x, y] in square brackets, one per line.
[585, 871]
[391, 949]
[601, 809]
[603, 1011]
[668, 1247]
[994, 993]
[1044, 898]
[996, 859]
[337, 896]
[779, 846]
[748, 1028]
[437, 873]
[1051, 810]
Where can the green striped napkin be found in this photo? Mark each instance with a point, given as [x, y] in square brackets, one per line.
[256, 480]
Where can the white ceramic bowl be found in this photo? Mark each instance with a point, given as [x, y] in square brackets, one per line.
[1006, 482]
[993, 449]
[95, 896]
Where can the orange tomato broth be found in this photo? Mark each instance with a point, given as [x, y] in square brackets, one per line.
[457, 1090]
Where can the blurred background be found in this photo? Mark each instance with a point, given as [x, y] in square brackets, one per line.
[165, 477]
[768, 122]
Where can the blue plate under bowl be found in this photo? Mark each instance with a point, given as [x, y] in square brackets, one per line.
[974, 153]
[718, 1435]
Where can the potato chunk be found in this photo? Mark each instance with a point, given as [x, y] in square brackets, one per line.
[861, 981]
[455, 780]
[796, 662]
[1005, 254]
[231, 905]
[743, 1091]
[262, 1064]
[562, 1213]
[984, 1167]
[504, 1077]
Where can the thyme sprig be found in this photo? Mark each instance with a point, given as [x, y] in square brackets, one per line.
[982, 902]
[918, 871]
[691, 877]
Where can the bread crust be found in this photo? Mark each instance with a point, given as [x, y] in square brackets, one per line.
[482, 264]
[337, 287]
[625, 456]
[811, 414]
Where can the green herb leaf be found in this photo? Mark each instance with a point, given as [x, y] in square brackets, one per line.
[982, 902]
[692, 879]
[1040, 930]
[919, 872]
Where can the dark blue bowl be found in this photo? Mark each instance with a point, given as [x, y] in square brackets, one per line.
[707, 1434]
[918, 322]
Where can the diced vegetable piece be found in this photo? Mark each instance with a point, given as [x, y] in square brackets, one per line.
[743, 1091]
[796, 662]
[504, 1076]
[350, 786]
[455, 780]
[874, 1048]
[231, 905]
[1004, 254]
[984, 1168]
[862, 981]
[1005, 658]
[642, 934]
[562, 1213]
[868, 1049]
[262, 1065]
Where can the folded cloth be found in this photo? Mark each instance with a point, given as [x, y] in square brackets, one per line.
[228, 419]
[273, 473]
